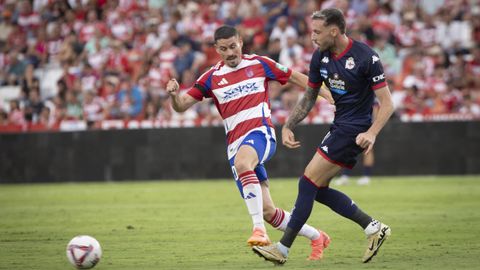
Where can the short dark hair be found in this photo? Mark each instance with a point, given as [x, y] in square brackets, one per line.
[224, 32]
[331, 16]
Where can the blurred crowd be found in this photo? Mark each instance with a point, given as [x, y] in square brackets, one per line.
[109, 60]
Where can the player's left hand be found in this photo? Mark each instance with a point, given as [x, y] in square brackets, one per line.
[288, 138]
[366, 141]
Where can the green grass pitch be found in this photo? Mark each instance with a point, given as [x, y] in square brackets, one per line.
[435, 224]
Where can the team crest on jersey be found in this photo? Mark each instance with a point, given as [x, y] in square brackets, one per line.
[249, 72]
[282, 68]
[350, 63]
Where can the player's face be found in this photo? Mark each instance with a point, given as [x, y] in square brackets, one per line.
[230, 50]
[323, 36]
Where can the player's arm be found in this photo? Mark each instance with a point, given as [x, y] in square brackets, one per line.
[385, 110]
[301, 80]
[299, 113]
[180, 103]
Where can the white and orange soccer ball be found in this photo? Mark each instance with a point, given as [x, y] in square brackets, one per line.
[84, 252]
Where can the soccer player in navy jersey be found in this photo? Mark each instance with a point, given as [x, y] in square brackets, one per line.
[354, 74]
[238, 86]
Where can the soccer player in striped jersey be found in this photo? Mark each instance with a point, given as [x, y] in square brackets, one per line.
[238, 86]
[354, 74]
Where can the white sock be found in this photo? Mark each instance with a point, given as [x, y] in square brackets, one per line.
[280, 221]
[373, 227]
[283, 249]
[252, 193]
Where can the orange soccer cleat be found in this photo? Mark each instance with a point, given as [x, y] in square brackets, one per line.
[318, 245]
[259, 238]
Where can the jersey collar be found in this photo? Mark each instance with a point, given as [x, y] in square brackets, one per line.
[349, 46]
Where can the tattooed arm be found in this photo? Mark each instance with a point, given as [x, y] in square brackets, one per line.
[300, 111]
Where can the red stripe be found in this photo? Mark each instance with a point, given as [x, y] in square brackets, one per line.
[280, 218]
[244, 184]
[349, 46]
[271, 221]
[246, 173]
[250, 180]
[314, 85]
[239, 76]
[378, 86]
[333, 161]
[308, 179]
[245, 126]
[230, 108]
[253, 180]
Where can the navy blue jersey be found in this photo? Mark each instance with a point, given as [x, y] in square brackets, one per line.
[351, 76]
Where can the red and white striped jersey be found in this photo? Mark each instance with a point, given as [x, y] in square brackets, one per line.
[241, 95]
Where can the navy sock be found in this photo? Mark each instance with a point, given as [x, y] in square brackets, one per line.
[367, 170]
[342, 205]
[307, 191]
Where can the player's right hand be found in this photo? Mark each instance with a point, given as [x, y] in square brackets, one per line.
[288, 138]
[172, 87]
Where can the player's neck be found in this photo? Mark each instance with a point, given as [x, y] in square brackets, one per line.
[340, 45]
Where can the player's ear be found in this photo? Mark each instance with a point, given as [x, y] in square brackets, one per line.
[334, 32]
[240, 41]
[216, 48]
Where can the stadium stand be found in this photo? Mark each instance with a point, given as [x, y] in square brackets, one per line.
[78, 65]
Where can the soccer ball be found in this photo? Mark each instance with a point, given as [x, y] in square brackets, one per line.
[84, 252]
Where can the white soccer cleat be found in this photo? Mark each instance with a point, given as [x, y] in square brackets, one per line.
[341, 181]
[375, 241]
[270, 253]
[363, 181]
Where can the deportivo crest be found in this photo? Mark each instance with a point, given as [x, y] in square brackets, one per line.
[350, 63]
[282, 68]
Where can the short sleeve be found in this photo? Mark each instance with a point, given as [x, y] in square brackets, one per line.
[275, 71]
[375, 72]
[202, 88]
[196, 92]
[314, 75]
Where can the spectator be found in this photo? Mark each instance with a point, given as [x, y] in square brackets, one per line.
[430, 47]
[3, 118]
[15, 116]
[130, 99]
[34, 107]
[469, 107]
[73, 108]
[283, 31]
[291, 54]
[184, 59]
[17, 67]
[92, 108]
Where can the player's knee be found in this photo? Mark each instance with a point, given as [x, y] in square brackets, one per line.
[241, 166]
[319, 181]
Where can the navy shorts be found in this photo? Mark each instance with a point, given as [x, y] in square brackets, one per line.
[339, 145]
